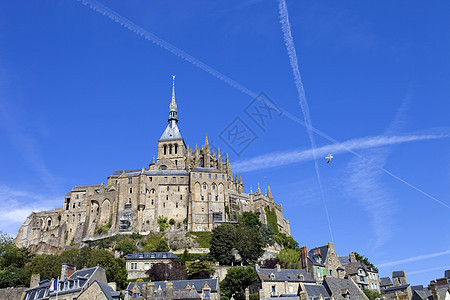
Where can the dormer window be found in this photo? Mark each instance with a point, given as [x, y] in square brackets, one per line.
[272, 276]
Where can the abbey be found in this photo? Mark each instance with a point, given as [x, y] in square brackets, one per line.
[194, 187]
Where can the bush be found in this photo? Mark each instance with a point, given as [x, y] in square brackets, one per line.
[126, 247]
[162, 223]
[254, 296]
[172, 222]
[237, 280]
[162, 245]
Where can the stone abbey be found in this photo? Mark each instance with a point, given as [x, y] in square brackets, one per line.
[194, 187]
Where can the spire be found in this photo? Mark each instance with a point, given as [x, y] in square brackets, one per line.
[206, 141]
[230, 175]
[269, 192]
[173, 104]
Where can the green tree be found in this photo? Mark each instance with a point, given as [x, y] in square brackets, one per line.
[365, 260]
[267, 233]
[286, 241]
[289, 258]
[185, 257]
[237, 280]
[222, 241]
[250, 219]
[172, 222]
[12, 263]
[162, 246]
[162, 223]
[272, 220]
[199, 270]
[249, 243]
[45, 265]
[371, 294]
[126, 247]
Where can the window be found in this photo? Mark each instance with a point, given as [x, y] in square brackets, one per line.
[152, 201]
[361, 278]
[164, 205]
[170, 149]
[167, 188]
[165, 149]
[209, 175]
[203, 210]
[146, 266]
[150, 179]
[193, 175]
[201, 175]
[217, 198]
[73, 206]
[79, 204]
[131, 190]
[130, 180]
[174, 179]
[166, 179]
[181, 197]
[223, 176]
[176, 205]
[181, 179]
[176, 148]
[203, 198]
[49, 223]
[206, 293]
[204, 186]
[163, 167]
[167, 197]
[215, 176]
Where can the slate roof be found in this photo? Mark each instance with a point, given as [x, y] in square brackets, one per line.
[284, 275]
[152, 255]
[336, 286]
[385, 281]
[395, 288]
[316, 290]
[108, 291]
[38, 290]
[323, 255]
[137, 172]
[171, 133]
[86, 273]
[352, 268]
[344, 259]
[180, 284]
[186, 294]
[398, 274]
[447, 273]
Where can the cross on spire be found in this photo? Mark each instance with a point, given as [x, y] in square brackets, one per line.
[173, 104]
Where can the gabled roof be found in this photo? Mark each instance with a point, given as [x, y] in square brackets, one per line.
[180, 284]
[86, 273]
[398, 274]
[39, 290]
[323, 252]
[152, 255]
[344, 259]
[316, 290]
[337, 286]
[394, 288]
[385, 281]
[284, 275]
[108, 291]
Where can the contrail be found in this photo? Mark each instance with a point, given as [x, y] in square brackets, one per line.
[290, 47]
[428, 270]
[415, 258]
[94, 5]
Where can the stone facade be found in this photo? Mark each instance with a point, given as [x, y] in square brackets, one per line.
[194, 187]
[364, 276]
[322, 262]
[139, 263]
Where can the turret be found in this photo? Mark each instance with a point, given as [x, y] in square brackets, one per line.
[219, 160]
[230, 175]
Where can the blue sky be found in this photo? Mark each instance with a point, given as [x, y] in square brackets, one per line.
[82, 95]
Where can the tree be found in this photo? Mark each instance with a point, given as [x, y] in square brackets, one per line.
[162, 223]
[222, 241]
[371, 294]
[249, 243]
[267, 233]
[286, 241]
[199, 270]
[12, 263]
[250, 219]
[162, 245]
[126, 247]
[172, 222]
[237, 280]
[289, 258]
[185, 257]
[271, 263]
[163, 272]
[365, 260]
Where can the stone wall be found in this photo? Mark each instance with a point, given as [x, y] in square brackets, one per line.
[12, 293]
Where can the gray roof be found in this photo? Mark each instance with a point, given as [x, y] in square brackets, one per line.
[394, 288]
[337, 286]
[284, 275]
[385, 281]
[323, 251]
[86, 273]
[447, 273]
[171, 133]
[38, 290]
[152, 255]
[398, 274]
[344, 259]
[138, 172]
[180, 284]
[316, 290]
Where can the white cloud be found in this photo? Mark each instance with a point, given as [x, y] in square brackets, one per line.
[413, 259]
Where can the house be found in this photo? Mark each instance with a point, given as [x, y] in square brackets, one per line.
[311, 291]
[340, 288]
[363, 275]
[438, 289]
[99, 291]
[70, 284]
[321, 262]
[278, 282]
[202, 289]
[139, 263]
[400, 288]
[385, 282]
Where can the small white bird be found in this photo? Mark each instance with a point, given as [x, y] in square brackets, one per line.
[329, 157]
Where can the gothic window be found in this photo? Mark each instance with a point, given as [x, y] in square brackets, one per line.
[223, 176]
[209, 175]
[79, 204]
[130, 180]
[217, 198]
[193, 175]
[214, 186]
[204, 186]
[203, 210]
[49, 223]
[150, 179]
[167, 188]
[178, 188]
[170, 149]
[166, 179]
[215, 176]
[176, 148]
[165, 149]
[153, 191]
[73, 206]
[202, 162]
[203, 198]
[181, 179]
[201, 175]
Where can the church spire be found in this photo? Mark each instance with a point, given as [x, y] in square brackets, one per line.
[173, 104]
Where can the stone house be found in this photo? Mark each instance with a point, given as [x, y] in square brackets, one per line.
[204, 289]
[400, 288]
[191, 186]
[99, 291]
[322, 262]
[139, 263]
[70, 284]
[364, 276]
[282, 282]
[385, 282]
[341, 289]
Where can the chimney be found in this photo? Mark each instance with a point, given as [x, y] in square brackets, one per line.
[169, 291]
[113, 285]
[447, 274]
[352, 257]
[303, 258]
[278, 267]
[434, 290]
[35, 278]
[67, 270]
[149, 290]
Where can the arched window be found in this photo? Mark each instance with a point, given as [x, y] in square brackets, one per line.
[165, 149]
[176, 148]
[170, 149]
[214, 186]
[49, 222]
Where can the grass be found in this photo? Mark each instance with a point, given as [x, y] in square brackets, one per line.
[203, 238]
